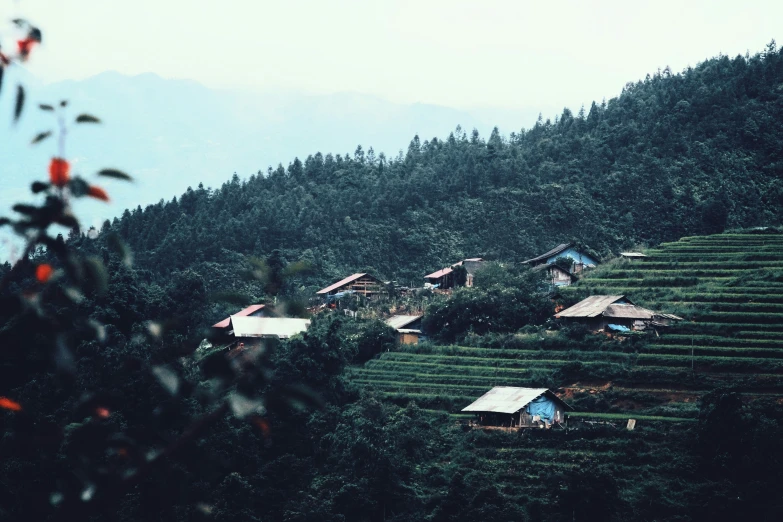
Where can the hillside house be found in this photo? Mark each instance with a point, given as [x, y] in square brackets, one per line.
[580, 258]
[512, 407]
[444, 278]
[408, 328]
[632, 255]
[617, 312]
[360, 284]
[556, 275]
[256, 310]
[251, 329]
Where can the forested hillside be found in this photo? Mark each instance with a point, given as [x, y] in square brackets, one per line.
[673, 155]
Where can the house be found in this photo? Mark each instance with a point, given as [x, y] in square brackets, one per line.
[556, 275]
[580, 258]
[519, 408]
[632, 255]
[256, 310]
[599, 312]
[444, 278]
[408, 328]
[253, 328]
[361, 284]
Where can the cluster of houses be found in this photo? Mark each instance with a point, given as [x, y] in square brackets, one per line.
[502, 406]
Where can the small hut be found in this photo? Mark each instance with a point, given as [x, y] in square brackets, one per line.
[511, 407]
[444, 278]
[616, 312]
[408, 328]
[632, 255]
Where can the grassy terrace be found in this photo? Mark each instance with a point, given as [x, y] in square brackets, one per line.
[728, 287]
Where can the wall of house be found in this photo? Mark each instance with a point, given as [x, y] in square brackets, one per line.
[408, 338]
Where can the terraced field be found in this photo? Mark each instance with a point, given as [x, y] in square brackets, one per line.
[729, 287]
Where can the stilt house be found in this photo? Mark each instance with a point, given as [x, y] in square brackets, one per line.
[362, 284]
[408, 328]
[512, 407]
[617, 312]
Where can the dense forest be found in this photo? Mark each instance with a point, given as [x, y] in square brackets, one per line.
[124, 415]
[673, 155]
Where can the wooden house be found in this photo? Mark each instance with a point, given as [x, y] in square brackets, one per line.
[556, 275]
[361, 284]
[599, 312]
[512, 407]
[408, 328]
[444, 278]
[256, 310]
[580, 258]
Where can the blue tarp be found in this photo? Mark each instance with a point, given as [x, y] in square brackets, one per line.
[619, 327]
[544, 407]
[338, 295]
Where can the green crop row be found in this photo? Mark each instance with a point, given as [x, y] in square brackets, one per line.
[713, 340]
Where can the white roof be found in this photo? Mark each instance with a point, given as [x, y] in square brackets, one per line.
[401, 321]
[508, 399]
[632, 254]
[282, 327]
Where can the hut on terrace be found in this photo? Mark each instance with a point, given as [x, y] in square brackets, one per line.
[581, 259]
[512, 407]
[616, 312]
[361, 284]
[256, 310]
[408, 328]
[444, 278]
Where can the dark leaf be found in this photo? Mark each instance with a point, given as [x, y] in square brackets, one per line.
[35, 34]
[45, 107]
[2, 71]
[120, 247]
[20, 22]
[26, 209]
[4, 221]
[67, 220]
[40, 137]
[19, 102]
[39, 186]
[114, 173]
[79, 187]
[63, 103]
[87, 118]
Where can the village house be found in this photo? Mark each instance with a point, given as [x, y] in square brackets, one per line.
[615, 312]
[443, 279]
[252, 329]
[408, 328]
[256, 310]
[512, 407]
[580, 258]
[359, 284]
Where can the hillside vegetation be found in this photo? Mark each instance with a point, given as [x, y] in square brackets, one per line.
[673, 155]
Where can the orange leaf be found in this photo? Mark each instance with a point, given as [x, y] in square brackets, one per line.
[59, 171]
[98, 193]
[102, 412]
[43, 272]
[8, 404]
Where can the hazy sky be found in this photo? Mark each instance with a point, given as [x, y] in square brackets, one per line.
[449, 52]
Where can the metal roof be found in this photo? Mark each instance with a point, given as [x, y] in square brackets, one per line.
[439, 273]
[400, 321]
[282, 327]
[242, 313]
[593, 306]
[669, 316]
[553, 252]
[632, 254]
[627, 311]
[508, 399]
[342, 282]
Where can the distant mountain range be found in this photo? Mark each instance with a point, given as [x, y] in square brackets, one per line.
[171, 134]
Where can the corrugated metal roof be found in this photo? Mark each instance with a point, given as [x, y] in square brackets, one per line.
[669, 316]
[508, 399]
[593, 306]
[439, 273]
[340, 283]
[627, 311]
[553, 252]
[632, 254]
[400, 321]
[282, 327]
[242, 313]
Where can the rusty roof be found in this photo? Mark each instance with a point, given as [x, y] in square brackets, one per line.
[553, 252]
[593, 306]
[401, 321]
[508, 399]
[342, 282]
[439, 273]
[242, 313]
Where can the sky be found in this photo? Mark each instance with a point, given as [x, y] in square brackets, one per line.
[463, 54]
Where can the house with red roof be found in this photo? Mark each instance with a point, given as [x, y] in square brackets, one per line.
[256, 310]
[443, 279]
